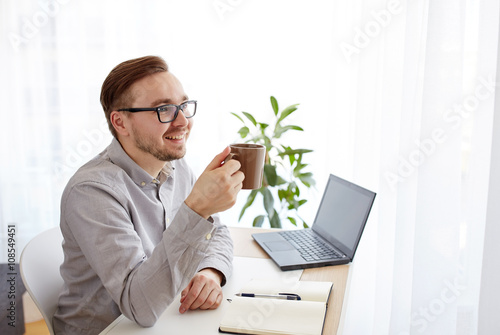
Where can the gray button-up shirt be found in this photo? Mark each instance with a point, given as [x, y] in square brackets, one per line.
[130, 242]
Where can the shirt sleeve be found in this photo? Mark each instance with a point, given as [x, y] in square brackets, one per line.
[141, 286]
[220, 254]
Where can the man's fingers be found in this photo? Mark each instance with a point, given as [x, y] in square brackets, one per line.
[217, 161]
[201, 299]
[213, 300]
[203, 292]
[189, 295]
[195, 295]
[218, 301]
[185, 291]
[217, 187]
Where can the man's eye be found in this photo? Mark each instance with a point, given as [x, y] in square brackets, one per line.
[169, 109]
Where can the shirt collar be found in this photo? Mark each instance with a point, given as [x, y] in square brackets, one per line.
[119, 157]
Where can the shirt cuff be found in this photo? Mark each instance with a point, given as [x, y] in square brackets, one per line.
[191, 227]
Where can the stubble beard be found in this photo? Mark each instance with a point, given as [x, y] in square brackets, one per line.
[147, 145]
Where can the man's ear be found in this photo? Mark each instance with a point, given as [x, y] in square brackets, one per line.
[119, 122]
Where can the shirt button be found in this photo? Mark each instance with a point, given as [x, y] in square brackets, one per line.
[143, 184]
[209, 236]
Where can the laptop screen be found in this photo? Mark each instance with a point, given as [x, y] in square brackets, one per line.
[342, 214]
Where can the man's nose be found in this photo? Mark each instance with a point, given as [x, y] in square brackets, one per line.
[180, 120]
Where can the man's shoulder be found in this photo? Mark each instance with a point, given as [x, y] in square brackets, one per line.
[98, 170]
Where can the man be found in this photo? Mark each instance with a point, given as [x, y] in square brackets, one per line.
[138, 227]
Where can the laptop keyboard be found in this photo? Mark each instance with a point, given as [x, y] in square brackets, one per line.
[311, 247]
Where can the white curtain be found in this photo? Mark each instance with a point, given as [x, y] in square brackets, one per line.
[397, 96]
[422, 82]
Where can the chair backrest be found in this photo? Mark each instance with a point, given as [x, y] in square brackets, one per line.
[39, 264]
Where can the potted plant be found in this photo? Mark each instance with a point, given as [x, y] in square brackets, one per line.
[284, 174]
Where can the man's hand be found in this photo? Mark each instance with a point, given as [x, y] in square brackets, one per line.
[203, 291]
[217, 187]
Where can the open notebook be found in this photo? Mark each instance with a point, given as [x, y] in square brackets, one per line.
[267, 315]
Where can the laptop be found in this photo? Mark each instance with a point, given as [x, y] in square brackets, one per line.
[334, 235]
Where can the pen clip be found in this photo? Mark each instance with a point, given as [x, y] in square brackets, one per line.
[291, 296]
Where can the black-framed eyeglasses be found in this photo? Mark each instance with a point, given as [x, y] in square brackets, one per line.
[168, 113]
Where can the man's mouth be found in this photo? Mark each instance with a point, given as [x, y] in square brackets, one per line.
[178, 137]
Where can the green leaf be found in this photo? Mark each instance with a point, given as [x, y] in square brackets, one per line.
[292, 220]
[258, 221]
[287, 111]
[287, 196]
[281, 181]
[244, 131]
[238, 117]
[267, 144]
[275, 221]
[294, 152]
[250, 117]
[305, 224]
[307, 179]
[268, 202]
[270, 174]
[298, 167]
[274, 103]
[259, 138]
[281, 130]
[250, 199]
[294, 204]
[297, 190]
[263, 126]
[282, 194]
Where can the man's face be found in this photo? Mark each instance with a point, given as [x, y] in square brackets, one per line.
[164, 141]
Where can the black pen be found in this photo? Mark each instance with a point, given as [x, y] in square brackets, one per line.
[285, 296]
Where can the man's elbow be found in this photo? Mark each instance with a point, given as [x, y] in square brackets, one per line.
[145, 320]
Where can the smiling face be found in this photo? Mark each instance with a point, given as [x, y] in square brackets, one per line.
[145, 139]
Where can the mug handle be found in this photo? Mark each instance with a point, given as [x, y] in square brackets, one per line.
[229, 157]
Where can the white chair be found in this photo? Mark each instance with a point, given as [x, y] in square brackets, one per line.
[39, 264]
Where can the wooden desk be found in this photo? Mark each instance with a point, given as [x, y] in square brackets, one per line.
[245, 246]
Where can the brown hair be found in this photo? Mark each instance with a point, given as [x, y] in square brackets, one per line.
[115, 88]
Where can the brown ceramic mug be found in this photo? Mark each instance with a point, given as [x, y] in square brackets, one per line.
[251, 157]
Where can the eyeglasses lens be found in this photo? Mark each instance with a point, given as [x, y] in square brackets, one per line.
[189, 108]
[167, 113]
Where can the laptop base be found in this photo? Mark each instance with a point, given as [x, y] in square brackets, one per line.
[286, 256]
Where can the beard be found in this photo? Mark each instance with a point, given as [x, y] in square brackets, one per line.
[147, 144]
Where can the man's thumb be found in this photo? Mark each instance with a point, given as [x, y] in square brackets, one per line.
[217, 161]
